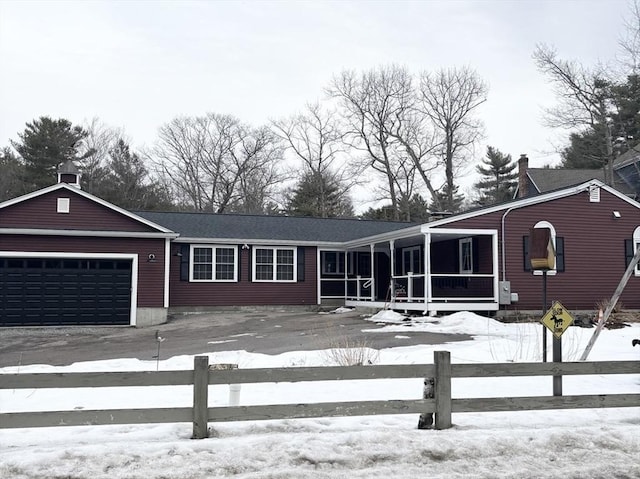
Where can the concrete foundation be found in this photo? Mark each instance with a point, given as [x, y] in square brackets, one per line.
[150, 316]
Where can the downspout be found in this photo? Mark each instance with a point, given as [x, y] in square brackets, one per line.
[503, 253]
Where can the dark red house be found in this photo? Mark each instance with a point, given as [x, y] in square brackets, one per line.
[67, 257]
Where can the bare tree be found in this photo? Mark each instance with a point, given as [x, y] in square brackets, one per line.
[315, 139]
[257, 158]
[450, 98]
[630, 41]
[208, 160]
[585, 100]
[100, 140]
[373, 105]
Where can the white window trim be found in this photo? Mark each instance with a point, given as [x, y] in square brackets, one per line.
[462, 242]
[213, 249]
[275, 250]
[636, 245]
[63, 205]
[412, 250]
[546, 224]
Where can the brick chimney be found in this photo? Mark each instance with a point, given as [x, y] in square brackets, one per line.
[68, 173]
[523, 184]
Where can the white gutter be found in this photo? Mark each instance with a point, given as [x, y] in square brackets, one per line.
[104, 234]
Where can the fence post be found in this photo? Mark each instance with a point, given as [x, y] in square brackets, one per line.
[200, 397]
[442, 360]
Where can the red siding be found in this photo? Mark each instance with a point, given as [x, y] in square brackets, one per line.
[150, 275]
[84, 214]
[245, 292]
[593, 244]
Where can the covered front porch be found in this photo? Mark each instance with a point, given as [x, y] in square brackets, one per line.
[418, 269]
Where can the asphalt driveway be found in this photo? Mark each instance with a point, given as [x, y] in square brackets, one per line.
[268, 332]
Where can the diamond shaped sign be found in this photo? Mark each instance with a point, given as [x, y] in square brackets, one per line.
[557, 319]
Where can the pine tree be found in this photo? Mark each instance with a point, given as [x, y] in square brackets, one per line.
[457, 200]
[499, 180]
[127, 182]
[44, 145]
[11, 175]
[319, 194]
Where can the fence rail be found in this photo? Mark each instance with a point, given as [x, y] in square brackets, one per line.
[202, 376]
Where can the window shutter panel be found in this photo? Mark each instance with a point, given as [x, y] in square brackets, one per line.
[475, 251]
[525, 253]
[250, 264]
[300, 265]
[184, 262]
[559, 254]
[628, 252]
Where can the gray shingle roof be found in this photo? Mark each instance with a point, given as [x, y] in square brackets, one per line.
[254, 227]
[551, 179]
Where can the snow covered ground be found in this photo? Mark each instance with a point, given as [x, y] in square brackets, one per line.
[598, 443]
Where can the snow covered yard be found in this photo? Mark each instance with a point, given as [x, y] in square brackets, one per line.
[596, 443]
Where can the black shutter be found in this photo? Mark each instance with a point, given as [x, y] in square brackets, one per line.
[184, 262]
[250, 264]
[300, 264]
[475, 254]
[628, 252]
[559, 254]
[525, 253]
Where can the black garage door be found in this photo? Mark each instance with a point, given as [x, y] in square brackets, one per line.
[64, 291]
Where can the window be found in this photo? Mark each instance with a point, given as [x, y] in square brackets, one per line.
[632, 248]
[465, 251]
[332, 262]
[63, 205]
[412, 260]
[214, 263]
[274, 264]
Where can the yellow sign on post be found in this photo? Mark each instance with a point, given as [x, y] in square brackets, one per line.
[557, 319]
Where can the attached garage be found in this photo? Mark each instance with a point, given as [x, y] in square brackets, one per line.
[40, 290]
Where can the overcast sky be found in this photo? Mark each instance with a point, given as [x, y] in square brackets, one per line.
[137, 65]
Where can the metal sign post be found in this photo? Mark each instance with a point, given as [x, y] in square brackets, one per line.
[557, 319]
[544, 308]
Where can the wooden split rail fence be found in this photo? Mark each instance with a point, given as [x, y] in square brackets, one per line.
[443, 405]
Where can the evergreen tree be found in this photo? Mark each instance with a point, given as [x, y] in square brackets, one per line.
[44, 145]
[128, 184]
[457, 199]
[414, 210]
[587, 149]
[319, 194]
[11, 173]
[499, 180]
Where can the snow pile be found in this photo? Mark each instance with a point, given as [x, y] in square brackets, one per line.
[387, 316]
[595, 443]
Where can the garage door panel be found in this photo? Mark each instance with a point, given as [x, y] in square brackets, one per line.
[69, 291]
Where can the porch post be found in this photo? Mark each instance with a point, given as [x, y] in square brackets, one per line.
[372, 246]
[318, 277]
[427, 269]
[346, 273]
[392, 285]
[496, 270]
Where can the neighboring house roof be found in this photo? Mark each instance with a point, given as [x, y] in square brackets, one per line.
[627, 158]
[208, 226]
[544, 180]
